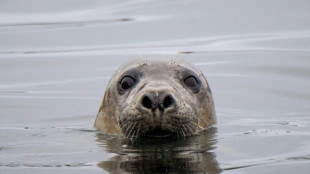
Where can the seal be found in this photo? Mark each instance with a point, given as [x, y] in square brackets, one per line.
[156, 99]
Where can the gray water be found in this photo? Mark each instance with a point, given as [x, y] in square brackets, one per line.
[56, 58]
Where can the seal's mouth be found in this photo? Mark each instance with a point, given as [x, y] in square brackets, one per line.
[158, 132]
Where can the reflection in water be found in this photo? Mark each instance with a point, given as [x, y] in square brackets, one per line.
[190, 155]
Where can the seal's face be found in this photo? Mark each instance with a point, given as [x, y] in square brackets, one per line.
[156, 99]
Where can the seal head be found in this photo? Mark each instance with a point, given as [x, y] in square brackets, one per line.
[156, 99]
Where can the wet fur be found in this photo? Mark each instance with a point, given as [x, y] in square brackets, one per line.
[120, 115]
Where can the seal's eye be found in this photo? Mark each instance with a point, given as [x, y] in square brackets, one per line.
[127, 82]
[192, 83]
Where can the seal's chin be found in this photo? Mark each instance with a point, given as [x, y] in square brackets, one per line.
[158, 132]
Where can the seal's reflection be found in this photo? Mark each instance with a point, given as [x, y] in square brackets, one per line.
[190, 155]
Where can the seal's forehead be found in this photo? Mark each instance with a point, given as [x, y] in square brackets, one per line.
[153, 65]
[189, 66]
[131, 65]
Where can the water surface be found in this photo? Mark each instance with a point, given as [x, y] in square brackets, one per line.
[56, 59]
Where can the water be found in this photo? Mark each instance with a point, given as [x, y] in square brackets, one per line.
[56, 59]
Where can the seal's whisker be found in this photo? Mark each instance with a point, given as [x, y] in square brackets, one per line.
[193, 127]
[129, 128]
[185, 129]
[125, 131]
[182, 132]
[133, 134]
[124, 127]
[138, 131]
[132, 128]
[198, 126]
[124, 122]
[190, 129]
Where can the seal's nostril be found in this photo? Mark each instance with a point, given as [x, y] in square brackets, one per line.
[162, 102]
[147, 102]
[168, 101]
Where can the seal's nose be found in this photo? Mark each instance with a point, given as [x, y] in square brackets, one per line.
[149, 101]
[166, 101]
[162, 101]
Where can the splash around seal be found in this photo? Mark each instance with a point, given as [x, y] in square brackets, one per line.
[156, 99]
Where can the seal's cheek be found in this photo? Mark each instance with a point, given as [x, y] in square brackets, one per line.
[188, 98]
[107, 117]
